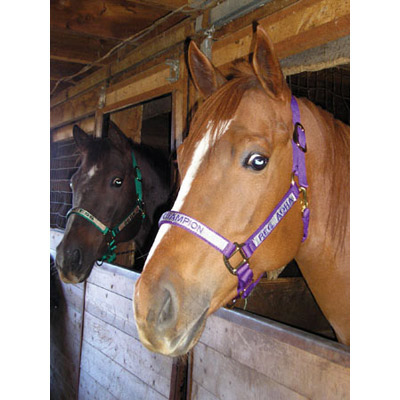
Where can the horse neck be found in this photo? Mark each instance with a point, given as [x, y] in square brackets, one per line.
[327, 163]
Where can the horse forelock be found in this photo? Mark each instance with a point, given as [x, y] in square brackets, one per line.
[214, 116]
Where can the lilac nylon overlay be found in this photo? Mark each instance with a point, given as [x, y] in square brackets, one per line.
[225, 246]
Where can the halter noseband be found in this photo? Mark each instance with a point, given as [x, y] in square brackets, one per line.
[246, 249]
[110, 255]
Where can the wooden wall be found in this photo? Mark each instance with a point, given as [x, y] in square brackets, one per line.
[242, 356]
[97, 353]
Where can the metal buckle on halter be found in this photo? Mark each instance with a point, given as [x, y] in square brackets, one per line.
[137, 173]
[296, 137]
[245, 260]
[304, 200]
[303, 191]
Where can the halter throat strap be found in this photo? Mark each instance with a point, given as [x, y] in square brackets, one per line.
[228, 249]
[110, 254]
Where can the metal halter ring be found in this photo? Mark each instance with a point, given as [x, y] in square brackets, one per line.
[233, 270]
[296, 137]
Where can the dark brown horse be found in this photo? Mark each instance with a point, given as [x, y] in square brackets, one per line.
[236, 166]
[106, 209]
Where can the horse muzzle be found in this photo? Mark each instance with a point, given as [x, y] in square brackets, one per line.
[162, 322]
[71, 266]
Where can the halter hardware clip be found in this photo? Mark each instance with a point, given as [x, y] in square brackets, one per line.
[304, 200]
[245, 260]
[296, 137]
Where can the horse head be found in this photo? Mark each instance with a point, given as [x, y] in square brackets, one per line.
[236, 165]
[104, 188]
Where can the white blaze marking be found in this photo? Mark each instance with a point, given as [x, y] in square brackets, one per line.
[92, 171]
[201, 150]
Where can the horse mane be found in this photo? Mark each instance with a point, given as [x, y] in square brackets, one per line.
[336, 168]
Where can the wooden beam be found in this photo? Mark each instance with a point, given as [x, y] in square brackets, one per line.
[107, 19]
[169, 5]
[77, 108]
[60, 69]
[78, 48]
[65, 132]
[301, 26]
[138, 88]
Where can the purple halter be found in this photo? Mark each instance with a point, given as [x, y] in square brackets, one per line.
[246, 249]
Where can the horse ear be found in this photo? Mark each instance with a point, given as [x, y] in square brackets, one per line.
[206, 77]
[266, 66]
[82, 139]
[117, 137]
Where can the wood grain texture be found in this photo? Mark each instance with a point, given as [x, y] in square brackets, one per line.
[113, 377]
[126, 351]
[226, 378]
[130, 122]
[90, 389]
[76, 108]
[299, 368]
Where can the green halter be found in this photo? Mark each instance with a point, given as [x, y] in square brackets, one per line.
[110, 254]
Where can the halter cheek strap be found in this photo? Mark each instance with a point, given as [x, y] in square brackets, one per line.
[246, 249]
[110, 254]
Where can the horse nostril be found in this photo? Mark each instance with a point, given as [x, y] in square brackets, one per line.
[167, 314]
[76, 258]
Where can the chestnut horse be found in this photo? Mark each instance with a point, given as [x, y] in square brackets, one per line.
[236, 166]
[119, 192]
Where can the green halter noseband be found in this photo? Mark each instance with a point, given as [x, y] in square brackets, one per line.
[110, 254]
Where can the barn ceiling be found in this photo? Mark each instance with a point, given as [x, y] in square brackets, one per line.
[83, 32]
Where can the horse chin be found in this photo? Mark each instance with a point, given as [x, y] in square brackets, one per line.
[71, 277]
[180, 344]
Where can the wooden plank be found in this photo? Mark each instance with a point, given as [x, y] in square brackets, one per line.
[76, 108]
[129, 121]
[147, 81]
[200, 393]
[179, 379]
[94, 79]
[179, 106]
[69, 46]
[113, 377]
[226, 379]
[74, 296]
[90, 389]
[301, 26]
[60, 69]
[116, 280]
[152, 369]
[112, 308]
[65, 132]
[107, 19]
[309, 366]
[171, 37]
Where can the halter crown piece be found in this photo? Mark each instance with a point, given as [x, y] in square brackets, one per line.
[110, 255]
[228, 249]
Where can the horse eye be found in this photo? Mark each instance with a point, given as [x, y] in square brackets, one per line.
[257, 162]
[117, 182]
